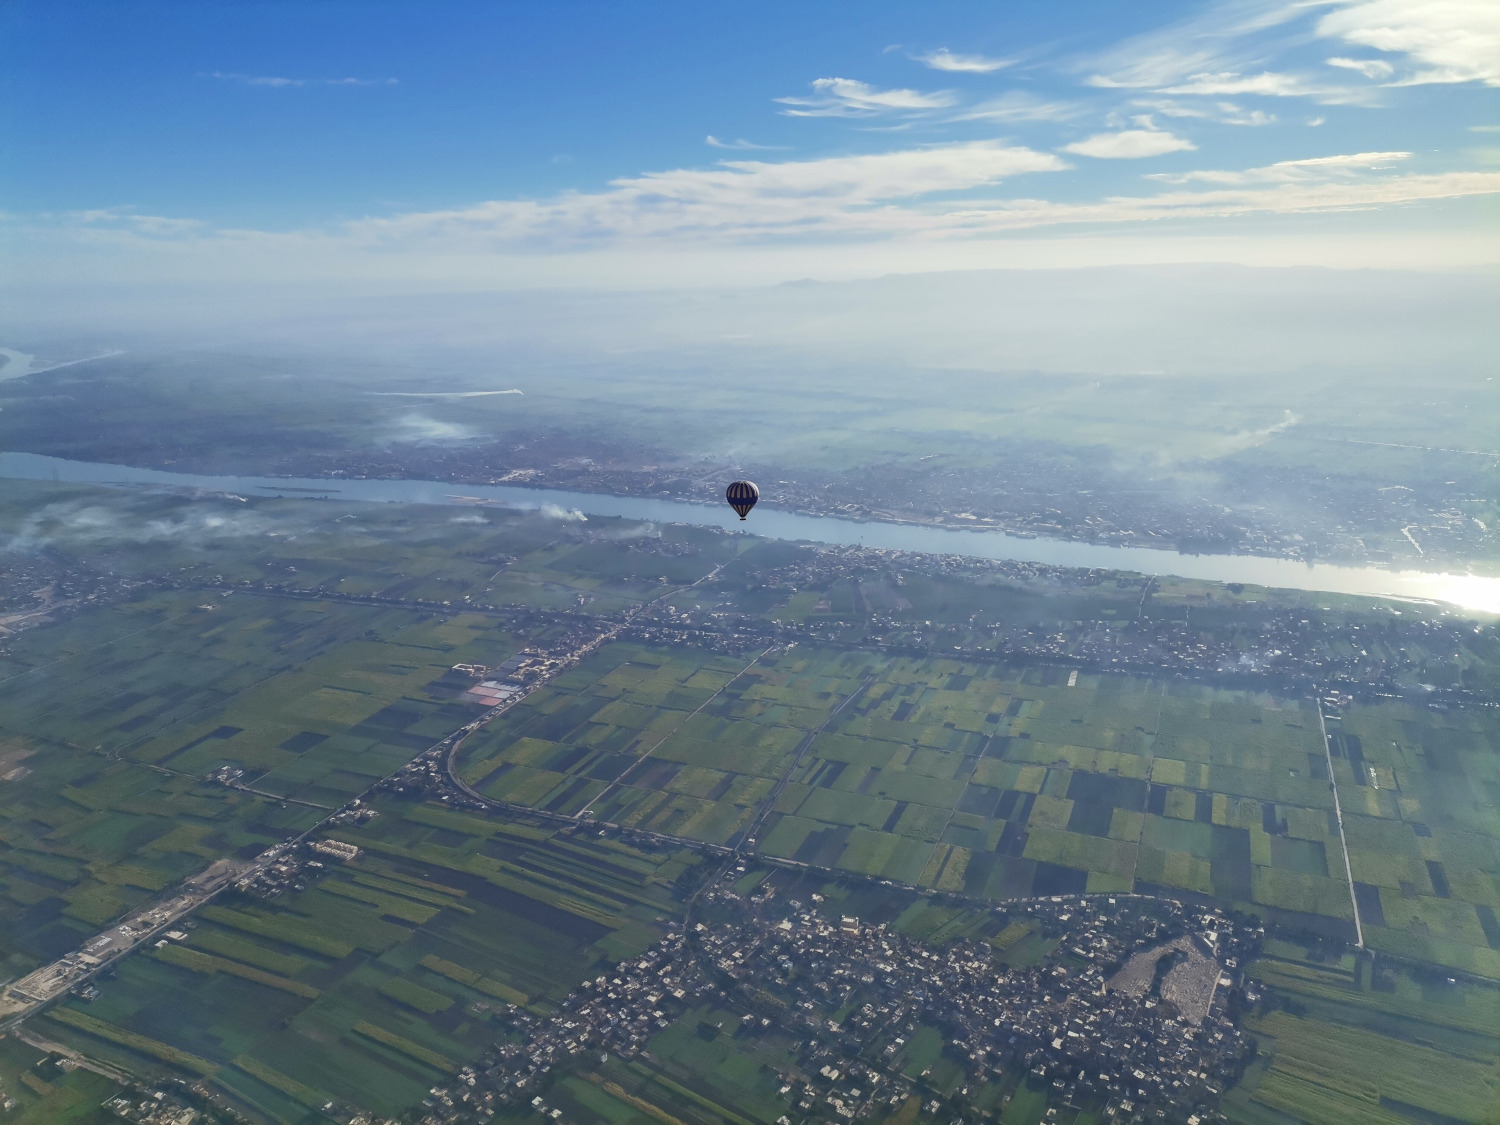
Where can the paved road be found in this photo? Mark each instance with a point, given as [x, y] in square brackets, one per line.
[1338, 815]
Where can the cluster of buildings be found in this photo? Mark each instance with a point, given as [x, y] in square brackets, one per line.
[1280, 648]
[341, 850]
[290, 867]
[508, 680]
[226, 775]
[1129, 1014]
[706, 630]
[152, 1108]
[50, 981]
[427, 775]
[37, 588]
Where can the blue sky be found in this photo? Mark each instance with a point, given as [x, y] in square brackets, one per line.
[612, 142]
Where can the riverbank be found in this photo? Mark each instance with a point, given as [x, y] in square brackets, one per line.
[1476, 593]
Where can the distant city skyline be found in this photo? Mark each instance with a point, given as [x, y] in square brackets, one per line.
[662, 143]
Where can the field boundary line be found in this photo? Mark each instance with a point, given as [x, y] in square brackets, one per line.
[620, 781]
[752, 830]
[1338, 816]
[1161, 707]
[983, 753]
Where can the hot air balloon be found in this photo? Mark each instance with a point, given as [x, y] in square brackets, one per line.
[742, 496]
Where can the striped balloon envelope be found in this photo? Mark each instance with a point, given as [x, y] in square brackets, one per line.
[742, 496]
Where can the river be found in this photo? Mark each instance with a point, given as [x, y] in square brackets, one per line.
[1467, 591]
[17, 365]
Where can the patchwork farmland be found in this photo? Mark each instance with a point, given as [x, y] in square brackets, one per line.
[386, 975]
[142, 741]
[1001, 782]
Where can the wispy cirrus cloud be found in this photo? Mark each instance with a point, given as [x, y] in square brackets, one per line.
[1130, 144]
[762, 214]
[917, 197]
[1226, 50]
[1216, 40]
[1019, 106]
[1299, 197]
[741, 145]
[944, 59]
[130, 219]
[1266, 84]
[740, 199]
[847, 97]
[278, 82]
[1223, 113]
[1370, 68]
[1317, 168]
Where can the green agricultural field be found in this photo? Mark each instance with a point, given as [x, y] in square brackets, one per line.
[87, 839]
[109, 722]
[1346, 1039]
[313, 700]
[45, 1094]
[989, 780]
[1418, 789]
[465, 556]
[666, 740]
[1000, 782]
[372, 984]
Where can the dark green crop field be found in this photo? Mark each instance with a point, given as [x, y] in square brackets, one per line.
[110, 722]
[1419, 790]
[1345, 1039]
[45, 1094]
[383, 976]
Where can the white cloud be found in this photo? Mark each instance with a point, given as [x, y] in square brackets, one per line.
[846, 97]
[1454, 40]
[1174, 109]
[1212, 41]
[76, 522]
[1284, 198]
[1234, 115]
[883, 198]
[278, 82]
[740, 145]
[1266, 84]
[737, 199]
[1371, 68]
[420, 429]
[1226, 49]
[488, 246]
[944, 59]
[1225, 113]
[1292, 171]
[1019, 105]
[1130, 144]
[1484, 128]
[128, 218]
